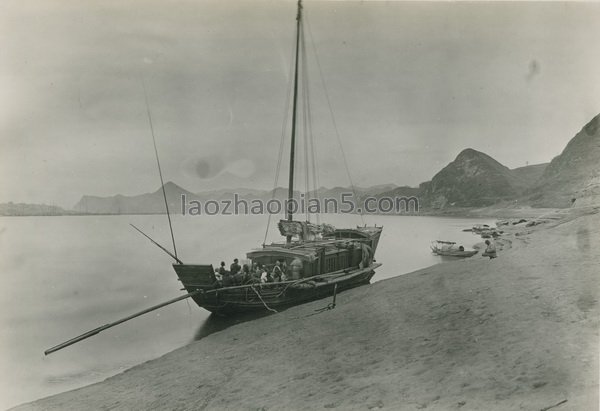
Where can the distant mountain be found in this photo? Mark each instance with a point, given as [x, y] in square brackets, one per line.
[574, 175]
[149, 203]
[473, 179]
[154, 203]
[397, 192]
[25, 209]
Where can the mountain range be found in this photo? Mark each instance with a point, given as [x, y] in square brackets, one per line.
[472, 179]
[154, 203]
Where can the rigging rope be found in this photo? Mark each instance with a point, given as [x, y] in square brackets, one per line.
[281, 144]
[310, 136]
[309, 147]
[332, 116]
[305, 125]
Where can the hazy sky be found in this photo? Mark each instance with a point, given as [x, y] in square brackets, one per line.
[410, 86]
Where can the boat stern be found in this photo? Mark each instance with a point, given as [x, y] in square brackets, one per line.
[196, 276]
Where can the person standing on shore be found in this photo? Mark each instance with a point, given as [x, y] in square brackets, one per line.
[490, 250]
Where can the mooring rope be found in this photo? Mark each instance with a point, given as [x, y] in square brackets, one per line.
[263, 301]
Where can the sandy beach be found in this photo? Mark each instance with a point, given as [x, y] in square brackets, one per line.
[520, 332]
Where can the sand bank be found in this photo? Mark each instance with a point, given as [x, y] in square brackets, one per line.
[516, 332]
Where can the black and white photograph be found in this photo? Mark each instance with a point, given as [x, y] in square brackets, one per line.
[299, 205]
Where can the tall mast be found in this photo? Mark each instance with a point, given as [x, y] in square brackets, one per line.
[290, 209]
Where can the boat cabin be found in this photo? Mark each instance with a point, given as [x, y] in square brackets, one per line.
[338, 250]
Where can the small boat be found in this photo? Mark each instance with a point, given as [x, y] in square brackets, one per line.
[450, 249]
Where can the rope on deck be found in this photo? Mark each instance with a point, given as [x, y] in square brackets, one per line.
[262, 301]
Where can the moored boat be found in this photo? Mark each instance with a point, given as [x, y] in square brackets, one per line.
[320, 259]
[450, 249]
[316, 260]
[337, 261]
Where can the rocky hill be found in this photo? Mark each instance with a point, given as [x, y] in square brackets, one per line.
[574, 175]
[473, 179]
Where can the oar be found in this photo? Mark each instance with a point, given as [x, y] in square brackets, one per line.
[110, 325]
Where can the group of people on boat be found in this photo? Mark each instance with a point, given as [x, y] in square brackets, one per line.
[257, 273]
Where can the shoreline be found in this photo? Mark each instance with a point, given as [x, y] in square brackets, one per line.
[519, 331]
[471, 212]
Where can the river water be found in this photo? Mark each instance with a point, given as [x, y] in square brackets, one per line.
[62, 276]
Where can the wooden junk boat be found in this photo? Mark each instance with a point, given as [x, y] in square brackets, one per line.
[326, 259]
[321, 259]
[336, 260]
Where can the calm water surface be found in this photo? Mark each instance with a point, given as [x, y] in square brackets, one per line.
[62, 276]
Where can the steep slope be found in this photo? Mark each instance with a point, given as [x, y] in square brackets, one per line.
[526, 177]
[574, 174]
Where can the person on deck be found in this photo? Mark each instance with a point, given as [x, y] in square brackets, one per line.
[256, 273]
[265, 276]
[490, 250]
[296, 269]
[366, 256]
[225, 275]
[218, 279]
[246, 274]
[235, 267]
[277, 272]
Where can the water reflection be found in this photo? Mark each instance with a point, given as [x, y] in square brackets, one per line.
[215, 323]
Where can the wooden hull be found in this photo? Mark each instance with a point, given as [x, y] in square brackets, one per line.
[449, 249]
[460, 254]
[262, 297]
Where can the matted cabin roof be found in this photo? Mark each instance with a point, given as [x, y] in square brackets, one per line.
[305, 249]
[311, 249]
[365, 232]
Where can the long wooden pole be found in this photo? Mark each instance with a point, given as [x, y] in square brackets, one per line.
[162, 183]
[158, 245]
[122, 320]
[290, 208]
